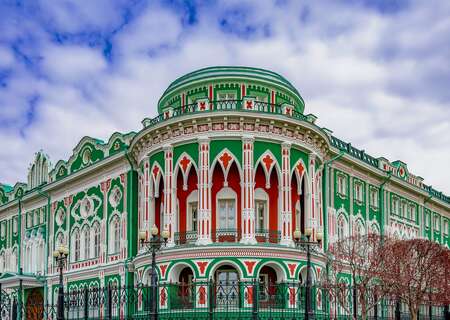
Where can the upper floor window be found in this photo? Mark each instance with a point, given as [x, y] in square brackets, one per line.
[192, 211]
[405, 212]
[41, 216]
[446, 227]
[427, 219]
[374, 197]
[3, 230]
[114, 235]
[86, 245]
[29, 219]
[412, 212]
[396, 206]
[96, 240]
[226, 96]
[36, 217]
[15, 225]
[76, 245]
[341, 226]
[341, 184]
[226, 199]
[358, 191]
[436, 222]
[298, 216]
[261, 208]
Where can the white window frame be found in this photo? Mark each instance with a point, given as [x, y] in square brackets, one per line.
[358, 190]
[226, 194]
[374, 198]
[342, 235]
[85, 244]
[114, 236]
[192, 202]
[436, 222]
[342, 184]
[76, 244]
[226, 96]
[95, 240]
[298, 215]
[261, 199]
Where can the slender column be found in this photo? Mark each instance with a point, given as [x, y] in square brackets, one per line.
[248, 211]
[286, 200]
[204, 193]
[311, 221]
[169, 208]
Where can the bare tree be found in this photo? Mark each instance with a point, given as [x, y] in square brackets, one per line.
[361, 257]
[417, 273]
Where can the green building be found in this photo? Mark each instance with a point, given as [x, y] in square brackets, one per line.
[230, 167]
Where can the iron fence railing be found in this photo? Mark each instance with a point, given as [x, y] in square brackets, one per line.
[204, 300]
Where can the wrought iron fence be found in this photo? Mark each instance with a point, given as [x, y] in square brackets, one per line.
[202, 300]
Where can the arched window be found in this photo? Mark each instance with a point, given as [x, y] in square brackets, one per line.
[86, 239]
[359, 228]
[192, 211]
[114, 235]
[59, 240]
[95, 240]
[341, 227]
[226, 204]
[13, 261]
[76, 245]
[2, 262]
[261, 210]
[298, 215]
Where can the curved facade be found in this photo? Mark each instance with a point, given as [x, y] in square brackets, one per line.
[231, 167]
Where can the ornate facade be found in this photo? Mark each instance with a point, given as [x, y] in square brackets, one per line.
[231, 167]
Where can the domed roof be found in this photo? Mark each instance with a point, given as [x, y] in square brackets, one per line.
[232, 72]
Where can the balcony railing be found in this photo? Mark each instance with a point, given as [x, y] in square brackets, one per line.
[227, 235]
[223, 105]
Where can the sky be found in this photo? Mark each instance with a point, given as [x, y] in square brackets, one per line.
[377, 73]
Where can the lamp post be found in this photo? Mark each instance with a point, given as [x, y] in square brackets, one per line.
[153, 245]
[306, 244]
[60, 256]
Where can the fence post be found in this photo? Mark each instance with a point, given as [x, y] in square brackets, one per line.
[86, 304]
[397, 310]
[355, 305]
[255, 299]
[375, 308]
[211, 299]
[430, 312]
[109, 297]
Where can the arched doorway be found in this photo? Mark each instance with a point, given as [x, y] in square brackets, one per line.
[298, 198]
[227, 287]
[35, 305]
[268, 287]
[185, 296]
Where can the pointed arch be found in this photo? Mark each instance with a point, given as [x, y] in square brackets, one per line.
[156, 174]
[184, 164]
[268, 162]
[225, 159]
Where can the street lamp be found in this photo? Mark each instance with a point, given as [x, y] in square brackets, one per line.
[306, 244]
[153, 245]
[60, 256]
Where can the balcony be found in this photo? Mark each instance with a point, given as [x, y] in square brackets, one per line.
[228, 105]
[262, 236]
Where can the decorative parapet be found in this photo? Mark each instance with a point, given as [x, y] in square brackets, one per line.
[400, 170]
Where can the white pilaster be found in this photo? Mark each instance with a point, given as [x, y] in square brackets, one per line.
[248, 211]
[286, 200]
[169, 199]
[204, 193]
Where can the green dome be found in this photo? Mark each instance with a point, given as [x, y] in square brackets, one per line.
[221, 74]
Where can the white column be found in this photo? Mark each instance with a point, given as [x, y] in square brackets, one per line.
[169, 199]
[248, 210]
[204, 193]
[312, 219]
[286, 200]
